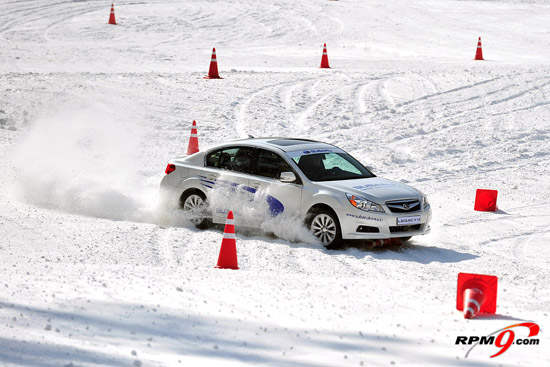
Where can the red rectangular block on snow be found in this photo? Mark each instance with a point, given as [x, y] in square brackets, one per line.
[486, 200]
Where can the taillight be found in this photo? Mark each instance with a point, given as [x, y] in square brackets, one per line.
[170, 168]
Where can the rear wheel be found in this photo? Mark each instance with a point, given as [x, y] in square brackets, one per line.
[196, 209]
[325, 226]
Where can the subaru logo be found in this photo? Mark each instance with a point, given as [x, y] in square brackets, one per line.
[406, 206]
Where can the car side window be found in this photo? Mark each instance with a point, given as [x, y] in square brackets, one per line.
[221, 159]
[243, 160]
[239, 159]
[271, 164]
[213, 159]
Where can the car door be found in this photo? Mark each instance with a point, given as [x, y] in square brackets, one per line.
[226, 176]
[278, 198]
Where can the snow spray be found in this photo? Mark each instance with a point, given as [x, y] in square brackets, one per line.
[82, 161]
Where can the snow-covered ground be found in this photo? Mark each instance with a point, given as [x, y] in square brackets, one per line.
[94, 273]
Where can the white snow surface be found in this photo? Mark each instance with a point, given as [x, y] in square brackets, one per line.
[94, 273]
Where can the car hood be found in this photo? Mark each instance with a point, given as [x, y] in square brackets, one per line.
[376, 189]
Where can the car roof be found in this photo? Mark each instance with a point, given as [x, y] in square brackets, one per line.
[284, 144]
[274, 143]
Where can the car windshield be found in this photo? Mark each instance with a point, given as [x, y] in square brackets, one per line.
[330, 166]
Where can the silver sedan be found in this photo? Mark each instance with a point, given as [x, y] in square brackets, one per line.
[334, 195]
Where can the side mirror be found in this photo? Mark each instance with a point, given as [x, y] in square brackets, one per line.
[287, 177]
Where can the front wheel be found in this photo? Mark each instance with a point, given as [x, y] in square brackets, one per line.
[195, 208]
[325, 226]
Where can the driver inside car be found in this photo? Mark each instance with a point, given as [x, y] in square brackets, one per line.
[312, 165]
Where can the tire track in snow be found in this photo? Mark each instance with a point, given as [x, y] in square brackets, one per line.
[478, 103]
[375, 91]
[23, 16]
[287, 98]
[242, 111]
[535, 252]
[519, 94]
[163, 246]
[436, 117]
[497, 90]
[361, 96]
[320, 100]
[450, 91]
[66, 16]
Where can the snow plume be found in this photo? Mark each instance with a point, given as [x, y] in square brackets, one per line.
[81, 161]
[84, 161]
[252, 207]
[284, 225]
[289, 228]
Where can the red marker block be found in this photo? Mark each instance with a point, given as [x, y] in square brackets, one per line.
[486, 200]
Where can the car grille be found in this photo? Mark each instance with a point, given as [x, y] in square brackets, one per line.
[412, 228]
[403, 206]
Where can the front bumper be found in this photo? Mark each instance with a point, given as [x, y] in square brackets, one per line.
[357, 224]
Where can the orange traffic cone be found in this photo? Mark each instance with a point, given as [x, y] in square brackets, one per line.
[112, 16]
[193, 146]
[476, 293]
[324, 59]
[228, 251]
[479, 52]
[486, 200]
[213, 71]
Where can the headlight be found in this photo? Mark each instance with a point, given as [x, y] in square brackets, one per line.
[425, 202]
[364, 204]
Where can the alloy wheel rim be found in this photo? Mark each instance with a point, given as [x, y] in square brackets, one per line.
[195, 205]
[324, 228]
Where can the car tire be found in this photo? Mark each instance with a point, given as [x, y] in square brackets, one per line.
[324, 225]
[195, 206]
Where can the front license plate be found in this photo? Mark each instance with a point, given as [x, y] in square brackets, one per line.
[407, 221]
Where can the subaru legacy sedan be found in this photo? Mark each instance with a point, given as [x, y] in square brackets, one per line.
[319, 184]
